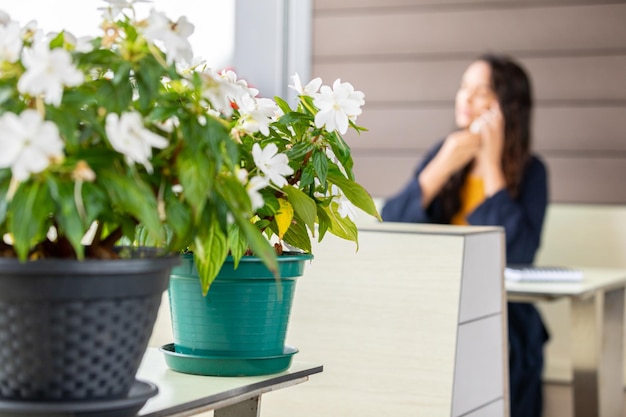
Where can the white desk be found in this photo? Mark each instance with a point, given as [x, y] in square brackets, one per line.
[597, 335]
[186, 395]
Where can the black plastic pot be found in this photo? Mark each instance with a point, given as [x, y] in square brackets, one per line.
[77, 330]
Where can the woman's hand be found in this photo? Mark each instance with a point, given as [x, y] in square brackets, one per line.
[489, 158]
[457, 150]
[491, 129]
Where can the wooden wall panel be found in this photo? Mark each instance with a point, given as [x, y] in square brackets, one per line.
[600, 178]
[407, 56]
[556, 130]
[523, 29]
[395, 131]
[384, 175]
[595, 77]
[351, 5]
[334, 6]
[555, 78]
[593, 130]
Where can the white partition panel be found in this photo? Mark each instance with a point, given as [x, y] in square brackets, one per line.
[386, 323]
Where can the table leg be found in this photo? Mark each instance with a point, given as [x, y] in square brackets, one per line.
[611, 361]
[597, 348]
[246, 408]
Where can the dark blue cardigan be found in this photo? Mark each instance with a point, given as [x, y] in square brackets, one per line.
[522, 220]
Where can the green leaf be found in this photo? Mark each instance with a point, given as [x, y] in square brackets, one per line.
[31, 207]
[298, 236]
[148, 82]
[237, 243]
[323, 222]
[97, 201]
[7, 92]
[308, 176]
[66, 123]
[303, 205]
[354, 192]
[259, 245]
[282, 104]
[342, 152]
[299, 122]
[180, 221]
[67, 217]
[5, 181]
[214, 136]
[131, 196]
[340, 226]
[299, 150]
[57, 41]
[295, 118]
[320, 162]
[195, 172]
[230, 189]
[210, 248]
[115, 98]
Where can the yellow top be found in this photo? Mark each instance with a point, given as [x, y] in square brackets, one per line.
[472, 194]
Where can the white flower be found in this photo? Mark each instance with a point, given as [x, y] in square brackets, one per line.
[10, 41]
[116, 7]
[253, 186]
[128, 136]
[82, 44]
[272, 164]
[256, 114]
[337, 106]
[346, 208]
[5, 18]
[196, 63]
[231, 77]
[173, 35]
[168, 125]
[223, 89]
[220, 91]
[309, 90]
[47, 72]
[28, 143]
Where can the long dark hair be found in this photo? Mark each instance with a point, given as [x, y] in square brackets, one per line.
[513, 89]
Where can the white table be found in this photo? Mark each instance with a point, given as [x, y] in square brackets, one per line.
[597, 335]
[186, 395]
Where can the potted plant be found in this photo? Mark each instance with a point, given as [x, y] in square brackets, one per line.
[98, 137]
[298, 174]
[117, 155]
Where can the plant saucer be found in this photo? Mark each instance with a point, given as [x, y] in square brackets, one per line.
[140, 392]
[227, 365]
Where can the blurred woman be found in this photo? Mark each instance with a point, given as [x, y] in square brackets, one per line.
[484, 173]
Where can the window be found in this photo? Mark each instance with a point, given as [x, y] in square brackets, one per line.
[213, 37]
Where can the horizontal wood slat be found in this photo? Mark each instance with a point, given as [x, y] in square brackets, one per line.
[544, 29]
[385, 5]
[555, 78]
[569, 130]
[334, 5]
[602, 179]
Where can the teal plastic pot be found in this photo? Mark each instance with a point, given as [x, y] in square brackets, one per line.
[245, 313]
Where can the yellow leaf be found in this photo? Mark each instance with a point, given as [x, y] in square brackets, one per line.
[284, 217]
